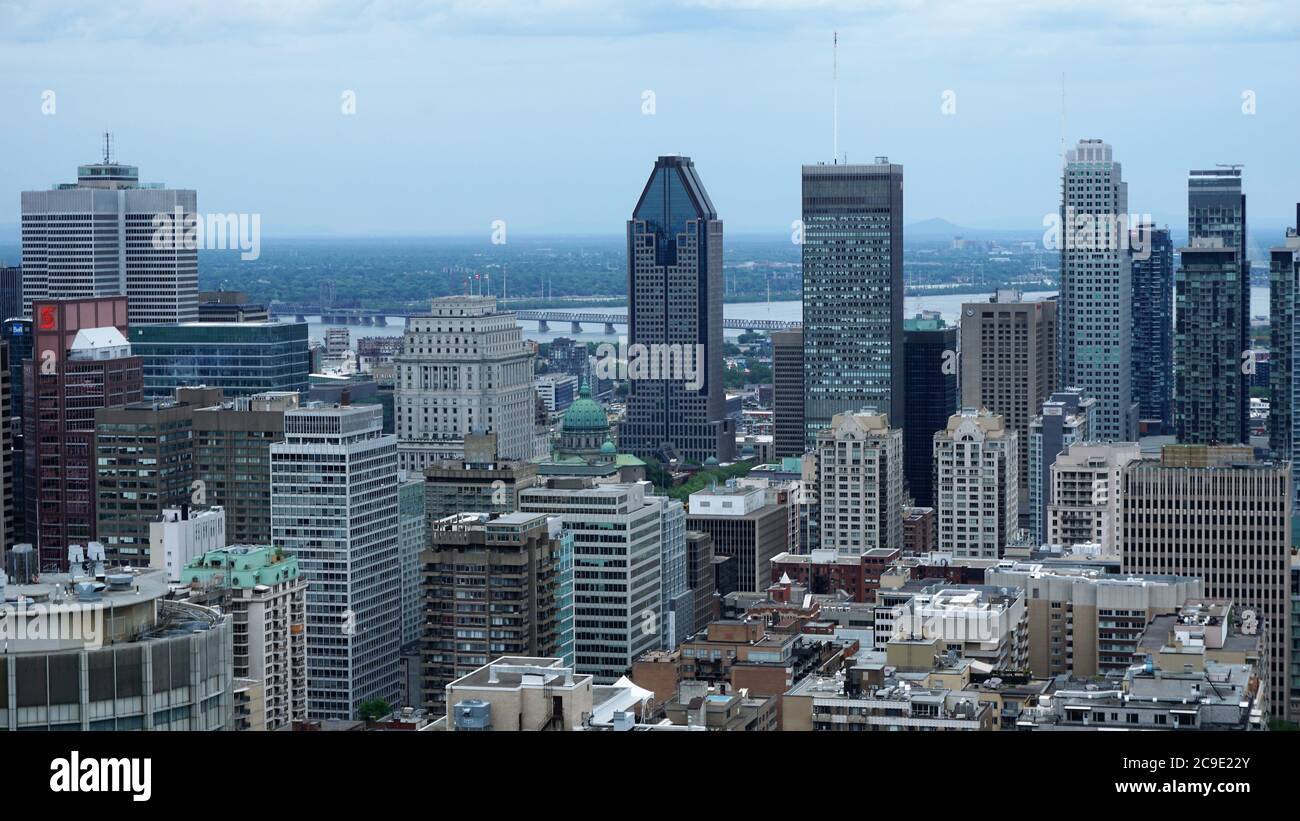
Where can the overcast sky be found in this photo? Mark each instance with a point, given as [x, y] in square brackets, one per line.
[532, 113]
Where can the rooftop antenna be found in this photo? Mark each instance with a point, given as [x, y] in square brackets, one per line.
[108, 148]
[1062, 119]
[835, 97]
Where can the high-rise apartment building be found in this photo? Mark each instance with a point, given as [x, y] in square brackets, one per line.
[746, 525]
[1009, 360]
[1284, 284]
[787, 393]
[930, 382]
[860, 484]
[81, 361]
[852, 292]
[617, 555]
[464, 368]
[494, 586]
[1153, 329]
[1062, 422]
[976, 484]
[334, 506]
[674, 286]
[100, 236]
[1219, 515]
[1095, 301]
[1084, 505]
[413, 539]
[265, 592]
[1211, 392]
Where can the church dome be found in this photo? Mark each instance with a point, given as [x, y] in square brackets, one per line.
[608, 448]
[585, 414]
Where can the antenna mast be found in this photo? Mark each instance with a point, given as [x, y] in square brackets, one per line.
[1063, 119]
[835, 96]
[108, 148]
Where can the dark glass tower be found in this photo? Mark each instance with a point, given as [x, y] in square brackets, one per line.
[930, 382]
[1153, 332]
[674, 273]
[1212, 309]
[852, 292]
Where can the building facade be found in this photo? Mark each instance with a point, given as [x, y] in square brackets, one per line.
[860, 484]
[787, 393]
[1153, 330]
[977, 484]
[1062, 422]
[240, 358]
[930, 382]
[852, 244]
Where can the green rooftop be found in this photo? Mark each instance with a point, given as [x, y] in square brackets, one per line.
[241, 567]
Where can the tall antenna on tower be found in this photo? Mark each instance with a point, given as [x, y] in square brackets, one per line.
[835, 96]
[108, 147]
[1062, 119]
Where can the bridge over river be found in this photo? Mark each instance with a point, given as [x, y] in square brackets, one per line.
[543, 318]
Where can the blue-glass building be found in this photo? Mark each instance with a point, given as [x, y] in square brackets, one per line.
[17, 335]
[930, 382]
[1153, 331]
[241, 358]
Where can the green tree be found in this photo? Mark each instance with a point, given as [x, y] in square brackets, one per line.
[373, 710]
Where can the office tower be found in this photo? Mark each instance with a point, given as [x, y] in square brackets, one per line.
[1153, 329]
[144, 464]
[334, 506]
[6, 454]
[230, 306]
[852, 292]
[493, 586]
[787, 393]
[1283, 277]
[265, 592]
[701, 579]
[674, 286]
[676, 600]
[558, 391]
[1084, 506]
[182, 534]
[1085, 622]
[860, 484]
[99, 236]
[481, 483]
[1096, 289]
[412, 541]
[338, 342]
[930, 382]
[232, 458]
[1062, 422]
[746, 525]
[81, 362]
[17, 335]
[1009, 360]
[241, 358]
[976, 465]
[1218, 514]
[1211, 394]
[464, 368]
[11, 292]
[617, 553]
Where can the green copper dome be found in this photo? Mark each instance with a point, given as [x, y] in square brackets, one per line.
[585, 414]
[608, 448]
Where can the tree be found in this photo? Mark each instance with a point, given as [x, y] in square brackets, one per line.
[373, 710]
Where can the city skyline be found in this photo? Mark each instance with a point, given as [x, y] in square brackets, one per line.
[465, 135]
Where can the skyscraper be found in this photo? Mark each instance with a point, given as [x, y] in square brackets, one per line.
[17, 335]
[1284, 284]
[241, 358]
[81, 361]
[852, 292]
[1153, 330]
[464, 368]
[787, 393]
[930, 382]
[1096, 281]
[1211, 394]
[1085, 490]
[1218, 514]
[1009, 360]
[674, 286]
[334, 505]
[860, 484]
[96, 237]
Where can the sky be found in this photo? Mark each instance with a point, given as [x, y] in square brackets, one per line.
[549, 115]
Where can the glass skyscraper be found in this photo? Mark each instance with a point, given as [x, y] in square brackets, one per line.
[852, 292]
[241, 358]
[1153, 331]
[930, 381]
[674, 258]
